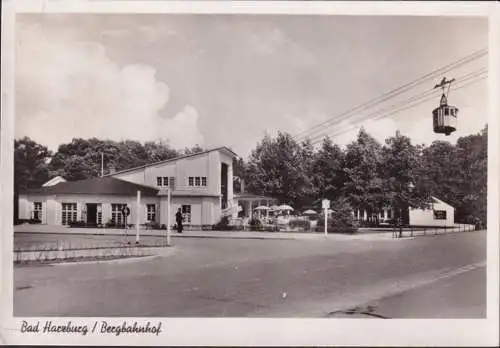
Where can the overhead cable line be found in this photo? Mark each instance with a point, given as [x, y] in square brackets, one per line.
[430, 92]
[384, 115]
[395, 92]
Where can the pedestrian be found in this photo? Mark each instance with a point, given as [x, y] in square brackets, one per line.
[178, 220]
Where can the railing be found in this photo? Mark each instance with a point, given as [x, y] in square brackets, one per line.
[412, 231]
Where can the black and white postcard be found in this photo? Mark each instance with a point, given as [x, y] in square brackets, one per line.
[249, 173]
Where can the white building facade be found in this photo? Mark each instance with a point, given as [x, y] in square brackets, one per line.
[439, 213]
[201, 185]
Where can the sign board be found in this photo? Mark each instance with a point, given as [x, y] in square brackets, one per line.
[439, 214]
[325, 204]
[126, 211]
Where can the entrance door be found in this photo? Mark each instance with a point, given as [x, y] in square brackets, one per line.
[223, 185]
[92, 214]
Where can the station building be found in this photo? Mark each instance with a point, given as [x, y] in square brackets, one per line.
[201, 185]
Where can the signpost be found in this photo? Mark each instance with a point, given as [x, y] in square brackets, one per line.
[325, 204]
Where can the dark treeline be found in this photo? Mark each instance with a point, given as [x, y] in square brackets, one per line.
[365, 175]
[81, 159]
[368, 175]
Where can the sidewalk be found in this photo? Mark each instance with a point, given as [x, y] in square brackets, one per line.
[362, 235]
[27, 228]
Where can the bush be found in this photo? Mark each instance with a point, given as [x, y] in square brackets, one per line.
[77, 224]
[256, 225]
[272, 228]
[301, 224]
[27, 221]
[340, 221]
[224, 225]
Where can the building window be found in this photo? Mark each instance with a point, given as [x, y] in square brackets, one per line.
[439, 214]
[165, 181]
[186, 213]
[151, 212]
[37, 211]
[197, 181]
[99, 214]
[116, 214]
[69, 213]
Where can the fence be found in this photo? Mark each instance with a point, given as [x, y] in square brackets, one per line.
[412, 231]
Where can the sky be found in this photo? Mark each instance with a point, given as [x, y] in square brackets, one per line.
[227, 80]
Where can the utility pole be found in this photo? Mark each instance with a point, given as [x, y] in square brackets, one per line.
[102, 164]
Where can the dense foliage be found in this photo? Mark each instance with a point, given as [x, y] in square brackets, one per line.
[365, 175]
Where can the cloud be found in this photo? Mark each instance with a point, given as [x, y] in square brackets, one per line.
[67, 88]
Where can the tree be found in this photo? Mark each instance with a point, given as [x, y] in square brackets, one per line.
[278, 168]
[81, 158]
[309, 192]
[472, 156]
[195, 149]
[159, 151]
[328, 176]
[364, 185]
[30, 163]
[30, 167]
[401, 165]
[441, 173]
[239, 174]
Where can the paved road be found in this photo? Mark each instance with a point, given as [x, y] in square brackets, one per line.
[268, 278]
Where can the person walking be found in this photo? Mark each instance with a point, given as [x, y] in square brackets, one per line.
[178, 220]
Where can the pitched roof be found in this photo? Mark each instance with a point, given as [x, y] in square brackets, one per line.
[439, 200]
[54, 181]
[96, 186]
[173, 160]
[247, 195]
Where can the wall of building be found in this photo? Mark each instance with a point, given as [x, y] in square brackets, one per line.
[52, 206]
[203, 210]
[426, 217]
[181, 169]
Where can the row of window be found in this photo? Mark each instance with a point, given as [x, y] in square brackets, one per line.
[197, 181]
[165, 181]
[69, 213]
[193, 181]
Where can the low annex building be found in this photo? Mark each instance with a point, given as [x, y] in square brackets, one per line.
[200, 185]
[439, 214]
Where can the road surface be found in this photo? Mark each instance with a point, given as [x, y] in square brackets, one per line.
[426, 277]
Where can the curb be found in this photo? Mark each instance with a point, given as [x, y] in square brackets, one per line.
[123, 260]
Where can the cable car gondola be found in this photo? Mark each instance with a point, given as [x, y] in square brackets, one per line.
[445, 116]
